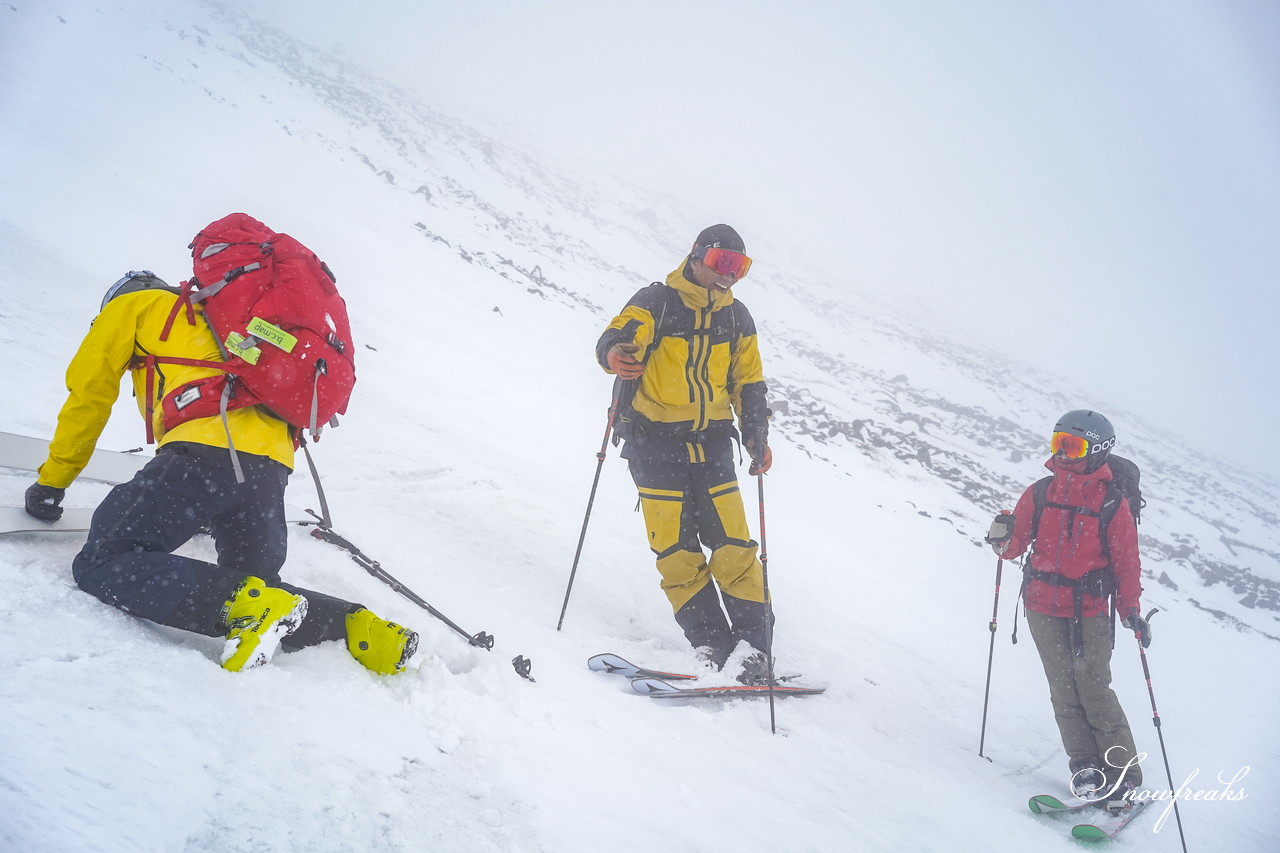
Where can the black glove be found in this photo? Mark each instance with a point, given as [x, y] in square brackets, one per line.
[44, 502]
[1140, 627]
[756, 441]
[1001, 532]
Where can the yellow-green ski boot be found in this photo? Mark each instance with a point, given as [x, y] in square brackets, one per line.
[258, 618]
[379, 645]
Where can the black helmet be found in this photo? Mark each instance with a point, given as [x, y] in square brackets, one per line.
[1094, 428]
[133, 281]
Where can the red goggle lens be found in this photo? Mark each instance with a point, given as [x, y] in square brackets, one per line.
[724, 261]
[1068, 445]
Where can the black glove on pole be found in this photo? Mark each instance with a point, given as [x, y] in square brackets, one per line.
[1140, 627]
[1001, 532]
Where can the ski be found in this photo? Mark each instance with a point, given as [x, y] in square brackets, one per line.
[14, 519]
[615, 665]
[659, 689]
[25, 453]
[612, 664]
[1047, 804]
[1093, 832]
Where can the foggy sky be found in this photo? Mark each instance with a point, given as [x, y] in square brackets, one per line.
[1092, 187]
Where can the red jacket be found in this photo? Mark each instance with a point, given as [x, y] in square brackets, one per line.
[1073, 550]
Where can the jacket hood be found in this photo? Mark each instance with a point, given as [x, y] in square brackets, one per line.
[694, 295]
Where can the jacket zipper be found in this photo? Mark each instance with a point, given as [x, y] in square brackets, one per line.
[699, 367]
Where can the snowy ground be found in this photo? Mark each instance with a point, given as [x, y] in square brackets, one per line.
[464, 467]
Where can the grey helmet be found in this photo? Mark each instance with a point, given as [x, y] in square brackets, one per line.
[1094, 428]
[133, 281]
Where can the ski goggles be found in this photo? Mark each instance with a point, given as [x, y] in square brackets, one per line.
[723, 261]
[1069, 445]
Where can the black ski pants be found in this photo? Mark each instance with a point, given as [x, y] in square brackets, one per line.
[128, 560]
[688, 505]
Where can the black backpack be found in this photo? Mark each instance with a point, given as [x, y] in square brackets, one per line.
[1125, 476]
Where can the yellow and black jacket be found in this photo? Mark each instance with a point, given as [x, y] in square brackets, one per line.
[127, 330]
[702, 365]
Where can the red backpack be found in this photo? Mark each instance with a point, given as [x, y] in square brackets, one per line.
[277, 317]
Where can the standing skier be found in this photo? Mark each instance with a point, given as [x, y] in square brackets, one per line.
[687, 359]
[1084, 548]
[191, 484]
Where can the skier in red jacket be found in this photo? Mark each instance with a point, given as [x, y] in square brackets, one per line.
[1084, 547]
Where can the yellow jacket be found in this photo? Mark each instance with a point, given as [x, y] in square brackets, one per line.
[128, 327]
[702, 359]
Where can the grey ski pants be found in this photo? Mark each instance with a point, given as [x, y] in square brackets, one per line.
[1089, 716]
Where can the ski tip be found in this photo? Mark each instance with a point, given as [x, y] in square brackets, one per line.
[617, 665]
[1042, 803]
[654, 687]
[1089, 832]
[602, 662]
[611, 663]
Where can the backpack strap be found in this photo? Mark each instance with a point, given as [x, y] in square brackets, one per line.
[659, 328]
[1019, 598]
[672, 301]
[1099, 581]
[625, 415]
[148, 363]
[734, 336]
[231, 275]
[1110, 505]
[1039, 497]
[227, 390]
[184, 299]
[321, 369]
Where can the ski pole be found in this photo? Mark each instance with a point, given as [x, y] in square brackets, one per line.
[764, 571]
[1155, 719]
[481, 640]
[582, 536]
[991, 654]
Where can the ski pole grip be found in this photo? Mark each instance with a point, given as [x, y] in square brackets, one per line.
[523, 666]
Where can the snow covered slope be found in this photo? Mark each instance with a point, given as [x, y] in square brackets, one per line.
[478, 273]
